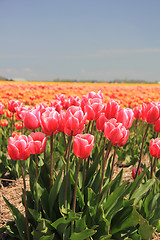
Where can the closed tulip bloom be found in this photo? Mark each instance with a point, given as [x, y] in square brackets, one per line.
[18, 125]
[74, 120]
[93, 108]
[19, 147]
[99, 95]
[134, 170]
[83, 145]
[38, 143]
[12, 105]
[1, 109]
[154, 147]
[116, 132]
[100, 122]
[151, 112]
[157, 126]
[111, 109]
[4, 122]
[32, 119]
[137, 112]
[125, 116]
[49, 121]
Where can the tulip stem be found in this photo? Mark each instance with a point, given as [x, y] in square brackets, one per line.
[36, 161]
[75, 187]
[88, 126]
[67, 170]
[64, 140]
[92, 128]
[113, 161]
[104, 167]
[143, 140]
[25, 200]
[51, 163]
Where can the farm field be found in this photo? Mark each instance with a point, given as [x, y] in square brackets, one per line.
[79, 161]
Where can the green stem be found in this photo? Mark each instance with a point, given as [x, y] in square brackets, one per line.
[36, 161]
[88, 126]
[104, 167]
[25, 200]
[67, 170]
[75, 187]
[113, 161]
[51, 163]
[143, 140]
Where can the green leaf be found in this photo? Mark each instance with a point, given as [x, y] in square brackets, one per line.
[19, 219]
[55, 191]
[36, 215]
[140, 192]
[47, 237]
[82, 235]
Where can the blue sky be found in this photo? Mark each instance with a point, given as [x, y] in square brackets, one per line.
[83, 40]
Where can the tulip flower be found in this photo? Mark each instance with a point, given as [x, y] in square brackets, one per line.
[154, 147]
[83, 145]
[32, 119]
[93, 108]
[157, 126]
[125, 116]
[116, 132]
[137, 112]
[1, 109]
[111, 109]
[4, 122]
[18, 125]
[49, 121]
[74, 120]
[134, 170]
[12, 105]
[19, 147]
[151, 112]
[38, 143]
[100, 122]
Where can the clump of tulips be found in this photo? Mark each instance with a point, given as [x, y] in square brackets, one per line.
[69, 150]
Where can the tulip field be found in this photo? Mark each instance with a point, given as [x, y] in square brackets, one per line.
[74, 143]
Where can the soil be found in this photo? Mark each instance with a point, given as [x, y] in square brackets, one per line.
[12, 189]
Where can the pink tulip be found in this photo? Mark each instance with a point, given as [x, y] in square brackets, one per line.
[19, 147]
[116, 132]
[32, 119]
[134, 170]
[125, 116]
[100, 122]
[12, 105]
[83, 145]
[151, 112]
[154, 147]
[111, 109]
[137, 112]
[38, 143]
[49, 121]
[74, 120]
[93, 108]
[1, 109]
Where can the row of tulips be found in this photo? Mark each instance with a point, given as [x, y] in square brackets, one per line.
[80, 120]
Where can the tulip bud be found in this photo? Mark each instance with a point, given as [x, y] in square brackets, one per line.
[83, 145]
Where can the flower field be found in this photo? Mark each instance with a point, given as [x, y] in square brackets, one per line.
[68, 139]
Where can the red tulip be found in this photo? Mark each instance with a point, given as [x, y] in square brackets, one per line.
[83, 145]
[12, 105]
[49, 121]
[74, 120]
[134, 170]
[32, 119]
[19, 147]
[111, 109]
[137, 112]
[154, 147]
[93, 108]
[116, 132]
[151, 112]
[125, 116]
[157, 126]
[4, 122]
[18, 125]
[38, 143]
